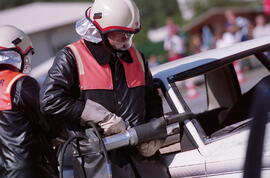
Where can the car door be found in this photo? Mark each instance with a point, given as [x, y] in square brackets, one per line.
[225, 155]
[186, 164]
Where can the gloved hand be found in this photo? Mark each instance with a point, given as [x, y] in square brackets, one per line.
[150, 148]
[112, 125]
[96, 113]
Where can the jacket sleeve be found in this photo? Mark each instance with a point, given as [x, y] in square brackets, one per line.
[153, 100]
[60, 92]
[25, 101]
[27, 95]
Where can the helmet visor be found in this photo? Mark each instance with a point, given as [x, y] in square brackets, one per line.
[88, 31]
[12, 58]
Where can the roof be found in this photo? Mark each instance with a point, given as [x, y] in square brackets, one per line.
[221, 55]
[216, 14]
[41, 16]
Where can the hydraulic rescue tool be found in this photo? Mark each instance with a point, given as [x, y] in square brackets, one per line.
[157, 128]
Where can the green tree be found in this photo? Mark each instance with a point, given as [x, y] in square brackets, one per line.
[154, 14]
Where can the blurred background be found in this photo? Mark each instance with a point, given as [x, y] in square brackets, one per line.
[171, 29]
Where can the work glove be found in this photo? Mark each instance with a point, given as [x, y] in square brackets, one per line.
[112, 125]
[108, 121]
[148, 149]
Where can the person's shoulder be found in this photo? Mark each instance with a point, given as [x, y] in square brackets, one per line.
[66, 50]
[28, 80]
[65, 54]
[25, 84]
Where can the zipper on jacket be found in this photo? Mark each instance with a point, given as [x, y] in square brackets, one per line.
[115, 80]
[113, 65]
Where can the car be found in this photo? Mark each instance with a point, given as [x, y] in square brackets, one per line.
[214, 142]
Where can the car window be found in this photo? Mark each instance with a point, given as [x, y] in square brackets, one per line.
[194, 93]
[234, 85]
[249, 72]
[166, 108]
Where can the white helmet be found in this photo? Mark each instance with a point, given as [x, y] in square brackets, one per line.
[114, 15]
[15, 48]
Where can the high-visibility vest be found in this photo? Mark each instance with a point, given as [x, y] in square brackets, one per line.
[92, 75]
[7, 79]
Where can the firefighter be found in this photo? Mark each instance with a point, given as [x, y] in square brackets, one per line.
[24, 148]
[104, 79]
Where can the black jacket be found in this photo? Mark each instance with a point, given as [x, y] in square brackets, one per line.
[61, 96]
[23, 143]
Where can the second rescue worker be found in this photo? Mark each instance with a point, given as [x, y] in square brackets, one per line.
[25, 149]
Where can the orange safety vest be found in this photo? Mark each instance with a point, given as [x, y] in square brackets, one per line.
[92, 75]
[7, 79]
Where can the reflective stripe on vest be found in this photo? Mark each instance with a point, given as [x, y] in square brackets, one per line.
[92, 75]
[7, 79]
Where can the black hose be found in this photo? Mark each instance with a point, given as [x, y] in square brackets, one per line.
[63, 150]
[103, 149]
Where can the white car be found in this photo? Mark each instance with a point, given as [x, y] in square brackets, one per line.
[214, 142]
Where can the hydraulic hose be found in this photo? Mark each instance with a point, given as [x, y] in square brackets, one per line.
[62, 153]
[103, 149]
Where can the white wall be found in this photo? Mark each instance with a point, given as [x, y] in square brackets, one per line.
[47, 43]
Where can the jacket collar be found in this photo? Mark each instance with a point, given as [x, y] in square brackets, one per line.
[103, 55]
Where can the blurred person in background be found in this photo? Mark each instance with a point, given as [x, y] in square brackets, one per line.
[227, 38]
[238, 26]
[261, 28]
[236, 30]
[25, 149]
[207, 38]
[104, 79]
[171, 27]
[195, 44]
[174, 42]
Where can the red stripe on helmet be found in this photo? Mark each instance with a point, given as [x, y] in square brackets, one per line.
[1, 47]
[24, 51]
[113, 28]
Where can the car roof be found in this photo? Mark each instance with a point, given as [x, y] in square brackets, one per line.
[208, 60]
